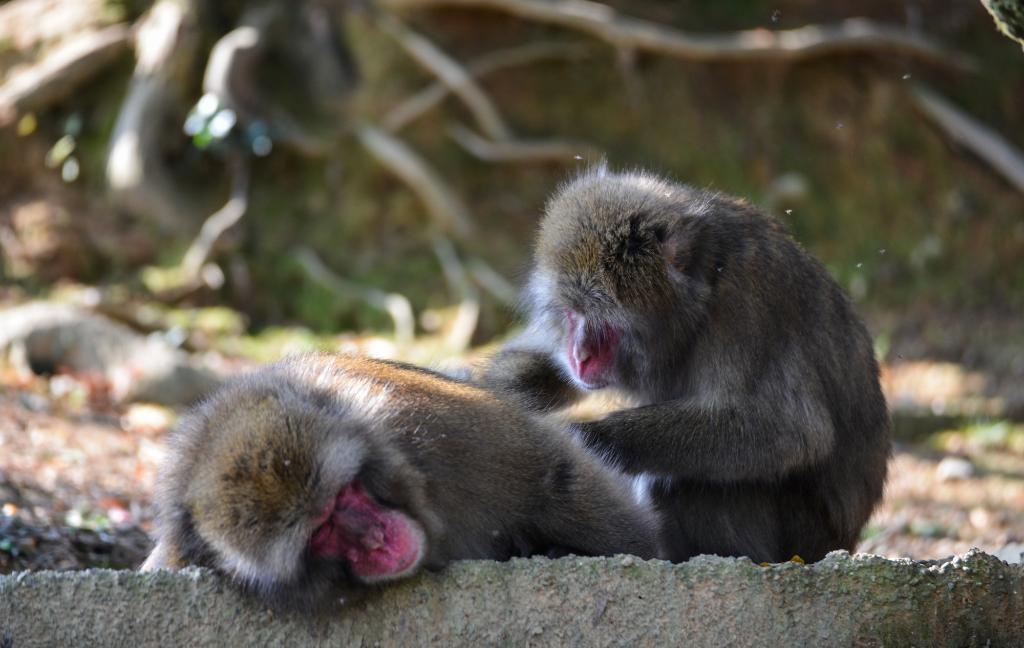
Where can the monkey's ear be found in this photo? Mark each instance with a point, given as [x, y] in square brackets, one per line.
[677, 247]
[673, 250]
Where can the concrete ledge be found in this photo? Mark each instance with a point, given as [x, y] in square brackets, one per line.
[860, 600]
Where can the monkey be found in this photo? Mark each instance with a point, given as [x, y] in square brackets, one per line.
[759, 427]
[324, 475]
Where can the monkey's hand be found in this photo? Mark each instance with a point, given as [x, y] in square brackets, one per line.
[530, 378]
[591, 436]
[721, 443]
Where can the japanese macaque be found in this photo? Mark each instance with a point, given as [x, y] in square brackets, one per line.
[322, 473]
[760, 428]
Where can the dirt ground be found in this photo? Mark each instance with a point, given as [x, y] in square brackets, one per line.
[77, 475]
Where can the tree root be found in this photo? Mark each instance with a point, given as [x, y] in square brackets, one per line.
[623, 32]
[979, 139]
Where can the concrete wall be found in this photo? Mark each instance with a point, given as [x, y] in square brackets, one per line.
[861, 600]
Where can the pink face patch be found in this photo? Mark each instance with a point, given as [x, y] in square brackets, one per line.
[378, 543]
[591, 350]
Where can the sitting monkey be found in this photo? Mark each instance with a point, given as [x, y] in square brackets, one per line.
[760, 428]
[321, 473]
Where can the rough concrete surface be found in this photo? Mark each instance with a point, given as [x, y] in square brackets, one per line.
[973, 600]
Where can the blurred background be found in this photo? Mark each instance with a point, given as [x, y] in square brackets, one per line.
[191, 187]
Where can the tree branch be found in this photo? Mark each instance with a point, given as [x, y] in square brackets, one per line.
[489, 279]
[443, 204]
[451, 73]
[165, 46]
[232, 75]
[62, 71]
[604, 23]
[464, 325]
[429, 97]
[395, 305]
[981, 140]
[220, 221]
[517, 150]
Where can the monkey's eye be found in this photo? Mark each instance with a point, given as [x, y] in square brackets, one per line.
[378, 487]
[660, 233]
[386, 503]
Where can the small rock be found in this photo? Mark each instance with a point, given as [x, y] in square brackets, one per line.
[144, 418]
[954, 468]
[1011, 553]
[926, 529]
[34, 402]
[981, 518]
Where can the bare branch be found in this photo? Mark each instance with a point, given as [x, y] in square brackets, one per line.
[517, 150]
[165, 47]
[423, 101]
[451, 73]
[234, 57]
[221, 220]
[62, 71]
[981, 140]
[603, 22]
[461, 333]
[625, 60]
[232, 72]
[492, 282]
[397, 306]
[443, 204]
[1009, 17]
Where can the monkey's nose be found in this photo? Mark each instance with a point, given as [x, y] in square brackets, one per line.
[373, 538]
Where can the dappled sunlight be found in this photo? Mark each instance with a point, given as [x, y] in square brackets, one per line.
[189, 190]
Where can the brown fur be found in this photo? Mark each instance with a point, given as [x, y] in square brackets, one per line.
[760, 426]
[248, 471]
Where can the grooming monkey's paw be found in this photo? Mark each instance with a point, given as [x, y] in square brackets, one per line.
[588, 435]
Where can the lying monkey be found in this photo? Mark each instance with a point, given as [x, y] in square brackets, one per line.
[321, 473]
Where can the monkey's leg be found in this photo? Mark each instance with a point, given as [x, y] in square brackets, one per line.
[530, 378]
[725, 520]
[717, 443]
[766, 522]
[592, 514]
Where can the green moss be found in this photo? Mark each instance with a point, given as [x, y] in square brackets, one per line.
[894, 211]
[1009, 17]
[996, 435]
[274, 343]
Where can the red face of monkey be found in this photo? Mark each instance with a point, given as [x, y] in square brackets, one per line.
[298, 488]
[587, 292]
[605, 273]
[590, 350]
[378, 543]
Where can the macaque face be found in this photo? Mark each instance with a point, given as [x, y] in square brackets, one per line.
[295, 491]
[601, 294]
[377, 543]
[591, 349]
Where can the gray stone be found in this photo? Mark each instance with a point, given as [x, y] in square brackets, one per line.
[954, 468]
[973, 600]
[1011, 553]
[138, 368]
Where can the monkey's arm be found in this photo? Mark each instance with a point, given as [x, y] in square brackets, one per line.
[531, 378]
[163, 556]
[716, 443]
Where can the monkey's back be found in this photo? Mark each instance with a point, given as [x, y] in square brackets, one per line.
[249, 473]
[747, 362]
[793, 335]
[497, 473]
